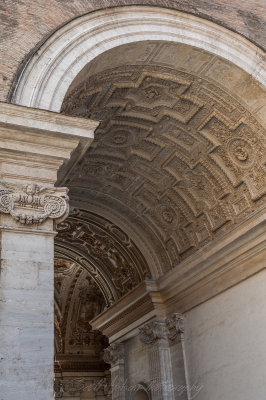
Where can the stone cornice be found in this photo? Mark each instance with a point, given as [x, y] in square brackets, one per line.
[33, 119]
[124, 312]
[222, 264]
[212, 270]
[41, 140]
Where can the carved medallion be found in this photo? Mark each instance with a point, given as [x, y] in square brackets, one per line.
[241, 152]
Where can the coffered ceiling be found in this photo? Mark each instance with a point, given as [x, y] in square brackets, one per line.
[179, 155]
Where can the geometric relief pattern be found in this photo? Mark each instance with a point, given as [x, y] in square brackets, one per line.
[178, 150]
[77, 301]
[109, 256]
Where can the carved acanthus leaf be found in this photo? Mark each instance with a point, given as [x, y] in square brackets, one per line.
[153, 331]
[174, 326]
[169, 329]
[114, 353]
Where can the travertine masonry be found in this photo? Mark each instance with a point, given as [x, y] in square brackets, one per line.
[33, 146]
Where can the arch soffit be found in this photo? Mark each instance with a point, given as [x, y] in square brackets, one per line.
[106, 252]
[153, 250]
[48, 75]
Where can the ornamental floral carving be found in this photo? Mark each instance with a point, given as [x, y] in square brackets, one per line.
[33, 204]
[114, 353]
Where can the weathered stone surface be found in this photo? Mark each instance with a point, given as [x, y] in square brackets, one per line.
[225, 343]
[29, 205]
[174, 184]
[26, 25]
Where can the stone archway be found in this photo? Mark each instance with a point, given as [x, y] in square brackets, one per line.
[48, 75]
[177, 162]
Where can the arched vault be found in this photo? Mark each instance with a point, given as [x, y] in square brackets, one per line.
[177, 153]
[178, 159]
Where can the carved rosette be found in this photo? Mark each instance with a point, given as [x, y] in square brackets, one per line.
[33, 204]
[114, 353]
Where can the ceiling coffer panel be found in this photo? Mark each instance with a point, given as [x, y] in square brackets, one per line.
[175, 147]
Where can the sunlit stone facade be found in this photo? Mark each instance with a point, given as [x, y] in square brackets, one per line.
[132, 203]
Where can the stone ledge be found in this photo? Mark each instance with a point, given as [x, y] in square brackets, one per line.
[211, 271]
[29, 119]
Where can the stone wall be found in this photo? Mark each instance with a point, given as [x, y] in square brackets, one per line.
[137, 362]
[223, 353]
[225, 343]
[26, 24]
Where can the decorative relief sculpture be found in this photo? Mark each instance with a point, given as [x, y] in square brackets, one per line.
[114, 353]
[111, 249]
[91, 303]
[32, 204]
[241, 152]
[77, 301]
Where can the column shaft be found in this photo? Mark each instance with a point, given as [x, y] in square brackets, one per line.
[26, 319]
[33, 146]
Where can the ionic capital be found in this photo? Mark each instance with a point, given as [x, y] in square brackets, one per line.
[33, 204]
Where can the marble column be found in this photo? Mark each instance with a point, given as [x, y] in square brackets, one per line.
[33, 145]
[115, 355]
